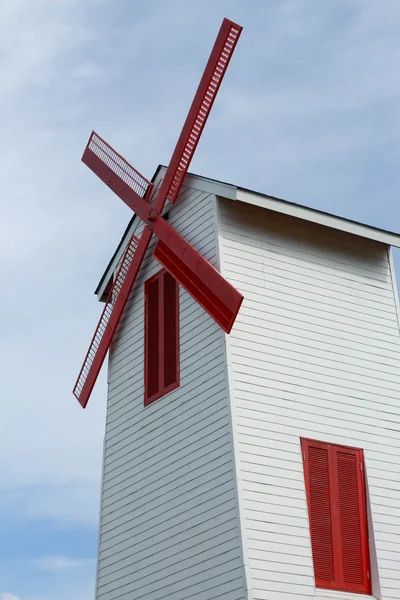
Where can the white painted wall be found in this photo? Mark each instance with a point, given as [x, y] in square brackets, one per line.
[315, 353]
[169, 519]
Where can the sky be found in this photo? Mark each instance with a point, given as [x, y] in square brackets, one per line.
[309, 111]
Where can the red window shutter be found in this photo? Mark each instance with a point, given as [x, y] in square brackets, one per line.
[161, 363]
[336, 499]
[152, 336]
[319, 498]
[171, 330]
[352, 519]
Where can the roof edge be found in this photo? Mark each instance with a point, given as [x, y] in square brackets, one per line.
[318, 216]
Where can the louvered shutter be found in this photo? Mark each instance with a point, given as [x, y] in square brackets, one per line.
[161, 362]
[152, 335]
[171, 331]
[319, 498]
[336, 499]
[352, 520]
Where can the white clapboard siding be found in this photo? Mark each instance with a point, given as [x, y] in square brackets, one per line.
[169, 515]
[315, 353]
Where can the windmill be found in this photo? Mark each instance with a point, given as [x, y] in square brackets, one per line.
[270, 469]
[194, 273]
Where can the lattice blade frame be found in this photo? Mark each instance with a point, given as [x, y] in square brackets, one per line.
[199, 111]
[203, 282]
[111, 315]
[118, 174]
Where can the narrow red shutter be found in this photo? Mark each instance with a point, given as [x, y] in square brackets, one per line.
[352, 519]
[152, 332]
[171, 330]
[319, 498]
[161, 336]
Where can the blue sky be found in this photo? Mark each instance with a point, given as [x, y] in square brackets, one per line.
[309, 111]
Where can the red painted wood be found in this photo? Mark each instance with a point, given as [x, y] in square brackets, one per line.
[123, 179]
[199, 111]
[109, 320]
[203, 282]
[336, 498]
[352, 519]
[161, 364]
[170, 310]
[319, 497]
[152, 337]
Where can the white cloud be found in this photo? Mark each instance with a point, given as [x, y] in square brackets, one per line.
[34, 36]
[48, 578]
[55, 564]
[52, 467]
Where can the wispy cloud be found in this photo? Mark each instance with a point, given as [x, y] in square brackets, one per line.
[35, 40]
[55, 564]
[48, 578]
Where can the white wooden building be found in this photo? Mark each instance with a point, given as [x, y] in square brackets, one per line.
[210, 490]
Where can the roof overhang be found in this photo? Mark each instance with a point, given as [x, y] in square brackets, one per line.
[232, 192]
[317, 216]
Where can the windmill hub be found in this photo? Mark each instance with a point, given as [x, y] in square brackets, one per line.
[152, 217]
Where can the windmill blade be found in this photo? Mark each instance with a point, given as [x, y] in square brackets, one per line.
[203, 282]
[118, 174]
[111, 315]
[195, 121]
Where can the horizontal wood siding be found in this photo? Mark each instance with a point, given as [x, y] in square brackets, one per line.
[169, 516]
[315, 353]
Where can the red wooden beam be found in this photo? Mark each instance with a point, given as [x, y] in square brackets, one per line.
[199, 111]
[111, 315]
[203, 282]
[123, 179]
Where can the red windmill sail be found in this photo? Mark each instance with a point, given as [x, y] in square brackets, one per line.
[205, 284]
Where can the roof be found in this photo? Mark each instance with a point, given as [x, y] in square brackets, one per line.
[233, 192]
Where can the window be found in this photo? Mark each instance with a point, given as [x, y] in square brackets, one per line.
[335, 486]
[161, 363]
